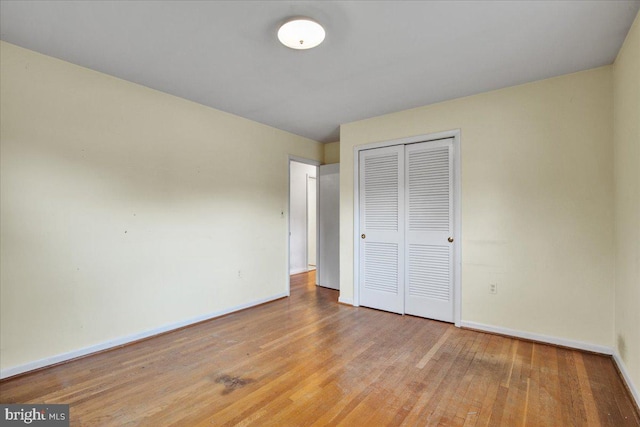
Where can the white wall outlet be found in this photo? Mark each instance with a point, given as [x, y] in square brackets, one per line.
[493, 288]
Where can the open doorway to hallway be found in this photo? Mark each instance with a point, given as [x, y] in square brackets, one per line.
[302, 217]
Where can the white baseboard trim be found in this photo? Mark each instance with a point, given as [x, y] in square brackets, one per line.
[20, 369]
[348, 301]
[298, 271]
[627, 378]
[539, 337]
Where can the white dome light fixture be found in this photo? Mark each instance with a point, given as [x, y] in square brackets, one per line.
[301, 33]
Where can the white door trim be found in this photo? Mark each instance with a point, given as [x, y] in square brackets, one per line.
[457, 268]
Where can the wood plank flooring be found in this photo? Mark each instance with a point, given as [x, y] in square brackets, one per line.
[309, 361]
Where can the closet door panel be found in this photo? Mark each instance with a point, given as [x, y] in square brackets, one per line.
[429, 225]
[381, 261]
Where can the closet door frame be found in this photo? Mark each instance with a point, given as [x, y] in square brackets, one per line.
[457, 211]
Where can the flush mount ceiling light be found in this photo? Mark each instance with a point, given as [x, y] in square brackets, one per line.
[301, 33]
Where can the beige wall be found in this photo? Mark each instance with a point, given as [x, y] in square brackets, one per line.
[332, 152]
[125, 209]
[626, 119]
[537, 195]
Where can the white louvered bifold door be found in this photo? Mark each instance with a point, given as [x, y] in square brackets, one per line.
[429, 224]
[382, 228]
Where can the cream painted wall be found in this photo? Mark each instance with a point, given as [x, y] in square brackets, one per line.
[124, 209]
[626, 120]
[537, 195]
[332, 152]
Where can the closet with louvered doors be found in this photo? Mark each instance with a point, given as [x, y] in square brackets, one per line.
[407, 228]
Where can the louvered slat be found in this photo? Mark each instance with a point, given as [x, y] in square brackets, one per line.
[429, 274]
[381, 267]
[381, 193]
[429, 187]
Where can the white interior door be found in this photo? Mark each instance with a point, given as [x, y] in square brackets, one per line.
[429, 227]
[311, 222]
[382, 228]
[328, 273]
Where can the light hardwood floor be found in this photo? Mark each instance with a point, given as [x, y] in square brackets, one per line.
[307, 360]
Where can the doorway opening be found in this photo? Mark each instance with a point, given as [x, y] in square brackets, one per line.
[303, 206]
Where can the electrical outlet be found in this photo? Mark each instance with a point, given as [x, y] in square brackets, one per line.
[493, 288]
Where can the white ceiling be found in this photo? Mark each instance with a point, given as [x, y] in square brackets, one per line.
[378, 56]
